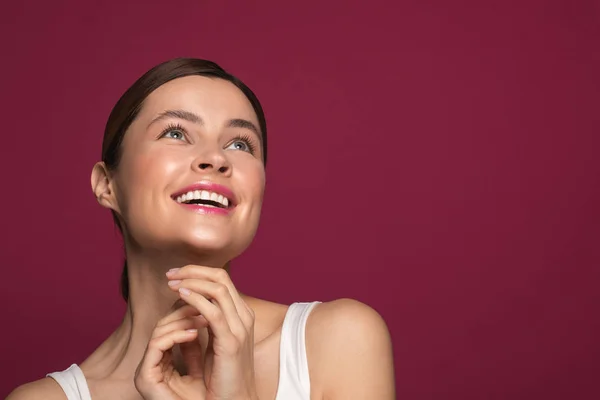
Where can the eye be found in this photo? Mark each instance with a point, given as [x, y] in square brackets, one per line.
[240, 145]
[173, 132]
[243, 143]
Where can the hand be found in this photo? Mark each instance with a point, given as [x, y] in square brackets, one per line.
[156, 377]
[227, 367]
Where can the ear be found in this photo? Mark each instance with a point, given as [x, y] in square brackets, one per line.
[102, 186]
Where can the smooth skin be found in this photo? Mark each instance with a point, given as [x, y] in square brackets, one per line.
[188, 333]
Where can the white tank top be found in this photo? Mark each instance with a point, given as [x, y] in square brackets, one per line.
[294, 382]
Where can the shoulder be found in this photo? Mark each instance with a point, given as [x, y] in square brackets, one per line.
[350, 318]
[349, 351]
[45, 388]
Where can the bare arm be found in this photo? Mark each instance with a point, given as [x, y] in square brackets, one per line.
[46, 389]
[349, 345]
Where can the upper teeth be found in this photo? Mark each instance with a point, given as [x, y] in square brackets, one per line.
[203, 195]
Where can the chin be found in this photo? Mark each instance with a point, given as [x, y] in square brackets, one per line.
[199, 242]
[209, 254]
[219, 246]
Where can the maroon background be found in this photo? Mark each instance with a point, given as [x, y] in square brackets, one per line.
[434, 159]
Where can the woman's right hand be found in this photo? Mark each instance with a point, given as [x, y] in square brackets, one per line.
[156, 377]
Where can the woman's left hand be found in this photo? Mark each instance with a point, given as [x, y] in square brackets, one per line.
[228, 368]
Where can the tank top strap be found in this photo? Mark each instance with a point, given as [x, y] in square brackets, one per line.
[73, 383]
[294, 380]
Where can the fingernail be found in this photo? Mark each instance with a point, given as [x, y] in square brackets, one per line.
[174, 282]
[185, 291]
[191, 330]
[172, 271]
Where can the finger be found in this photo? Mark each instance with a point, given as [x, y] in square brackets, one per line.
[213, 314]
[220, 294]
[221, 276]
[183, 312]
[193, 358]
[179, 325]
[159, 345]
[218, 275]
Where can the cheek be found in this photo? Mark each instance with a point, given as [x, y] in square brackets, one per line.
[151, 166]
[253, 178]
[158, 165]
[147, 176]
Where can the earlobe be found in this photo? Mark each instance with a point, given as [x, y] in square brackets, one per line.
[102, 186]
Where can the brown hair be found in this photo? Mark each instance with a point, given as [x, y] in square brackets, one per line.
[130, 104]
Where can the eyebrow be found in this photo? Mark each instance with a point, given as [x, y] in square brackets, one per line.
[196, 119]
[243, 123]
[179, 114]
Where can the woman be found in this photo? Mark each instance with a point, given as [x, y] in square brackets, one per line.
[183, 172]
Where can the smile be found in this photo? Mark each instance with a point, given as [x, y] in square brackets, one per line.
[205, 198]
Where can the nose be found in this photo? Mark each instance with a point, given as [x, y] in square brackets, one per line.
[213, 162]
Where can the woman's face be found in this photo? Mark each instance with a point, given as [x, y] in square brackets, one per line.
[191, 175]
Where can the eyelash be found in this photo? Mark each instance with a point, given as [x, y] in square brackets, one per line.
[174, 127]
[248, 140]
[243, 137]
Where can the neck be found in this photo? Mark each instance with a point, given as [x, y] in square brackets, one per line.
[150, 299]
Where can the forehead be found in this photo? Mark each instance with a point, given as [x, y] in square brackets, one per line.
[211, 98]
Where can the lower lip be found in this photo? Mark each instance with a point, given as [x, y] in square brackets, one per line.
[200, 209]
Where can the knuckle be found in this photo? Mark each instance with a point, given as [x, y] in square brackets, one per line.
[221, 275]
[221, 290]
[186, 269]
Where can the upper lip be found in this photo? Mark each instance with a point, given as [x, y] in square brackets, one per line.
[211, 187]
